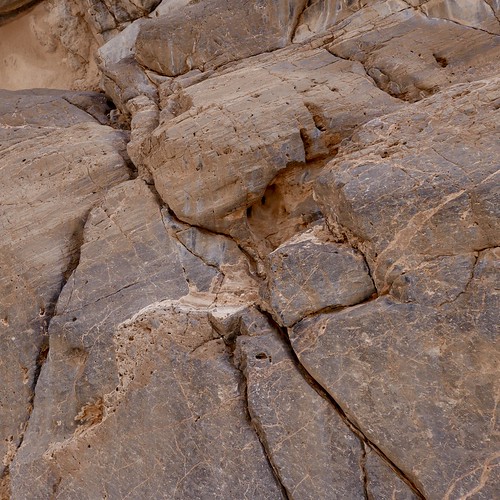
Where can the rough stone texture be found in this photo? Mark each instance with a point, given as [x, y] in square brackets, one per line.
[381, 482]
[411, 56]
[9, 6]
[46, 193]
[314, 453]
[419, 382]
[55, 49]
[250, 123]
[129, 259]
[308, 274]
[424, 197]
[176, 425]
[327, 166]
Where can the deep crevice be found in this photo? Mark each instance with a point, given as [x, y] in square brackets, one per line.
[261, 439]
[326, 395]
[364, 472]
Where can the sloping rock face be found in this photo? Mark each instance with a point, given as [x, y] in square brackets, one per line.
[261, 262]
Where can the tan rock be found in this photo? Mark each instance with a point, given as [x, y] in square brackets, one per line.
[418, 187]
[224, 140]
[57, 160]
[412, 56]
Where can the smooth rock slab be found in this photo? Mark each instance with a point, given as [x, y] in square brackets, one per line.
[307, 274]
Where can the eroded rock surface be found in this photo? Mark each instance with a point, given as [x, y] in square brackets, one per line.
[263, 263]
[47, 192]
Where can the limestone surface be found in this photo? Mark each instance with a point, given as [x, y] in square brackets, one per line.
[249, 249]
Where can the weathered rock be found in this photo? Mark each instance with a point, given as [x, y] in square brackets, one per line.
[412, 56]
[314, 453]
[163, 377]
[51, 46]
[174, 428]
[309, 273]
[9, 6]
[57, 161]
[219, 32]
[381, 481]
[419, 382]
[131, 257]
[414, 189]
[235, 132]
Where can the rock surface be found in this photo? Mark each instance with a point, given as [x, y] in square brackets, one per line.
[263, 263]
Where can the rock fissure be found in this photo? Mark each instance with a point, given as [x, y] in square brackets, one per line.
[348, 422]
[263, 442]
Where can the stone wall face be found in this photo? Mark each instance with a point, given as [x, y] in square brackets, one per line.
[249, 249]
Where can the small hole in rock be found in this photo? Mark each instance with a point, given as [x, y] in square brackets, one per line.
[261, 355]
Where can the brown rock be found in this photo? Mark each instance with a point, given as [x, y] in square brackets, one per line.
[419, 382]
[235, 132]
[415, 199]
[382, 482]
[174, 428]
[412, 56]
[57, 161]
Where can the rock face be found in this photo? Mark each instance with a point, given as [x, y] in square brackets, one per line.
[262, 262]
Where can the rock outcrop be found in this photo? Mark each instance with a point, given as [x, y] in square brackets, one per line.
[249, 249]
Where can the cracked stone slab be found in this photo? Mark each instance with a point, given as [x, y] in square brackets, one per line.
[129, 259]
[420, 382]
[176, 425]
[382, 482]
[314, 453]
[57, 161]
[167, 47]
[309, 273]
[417, 191]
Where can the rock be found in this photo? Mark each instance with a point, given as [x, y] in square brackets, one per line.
[412, 56]
[235, 150]
[314, 453]
[165, 46]
[131, 257]
[276, 276]
[9, 6]
[308, 274]
[55, 50]
[480, 15]
[57, 161]
[178, 406]
[418, 381]
[382, 482]
[404, 236]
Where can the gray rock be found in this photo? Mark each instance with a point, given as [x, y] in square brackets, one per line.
[382, 482]
[235, 132]
[419, 382]
[416, 187]
[314, 453]
[309, 273]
